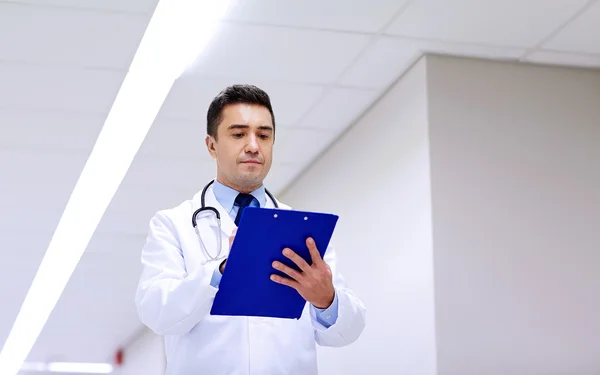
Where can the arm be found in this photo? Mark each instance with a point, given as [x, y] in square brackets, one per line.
[326, 317]
[351, 313]
[324, 288]
[169, 298]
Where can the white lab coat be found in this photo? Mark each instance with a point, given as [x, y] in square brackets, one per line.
[174, 299]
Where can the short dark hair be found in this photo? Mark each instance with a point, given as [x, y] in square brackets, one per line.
[247, 94]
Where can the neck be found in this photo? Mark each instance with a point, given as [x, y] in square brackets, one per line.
[238, 188]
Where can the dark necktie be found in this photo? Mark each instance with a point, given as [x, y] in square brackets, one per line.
[243, 201]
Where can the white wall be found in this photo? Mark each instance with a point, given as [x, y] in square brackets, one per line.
[377, 179]
[514, 178]
[144, 356]
[515, 152]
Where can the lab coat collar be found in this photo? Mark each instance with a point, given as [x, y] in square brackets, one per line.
[227, 223]
[226, 195]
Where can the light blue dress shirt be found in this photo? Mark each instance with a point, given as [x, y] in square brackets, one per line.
[226, 197]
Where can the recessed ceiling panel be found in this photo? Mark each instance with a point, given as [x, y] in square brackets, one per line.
[191, 96]
[34, 87]
[69, 37]
[133, 6]
[514, 23]
[361, 15]
[260, 53]
[581, 35]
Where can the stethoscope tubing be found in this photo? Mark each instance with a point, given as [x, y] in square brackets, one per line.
[204, 207]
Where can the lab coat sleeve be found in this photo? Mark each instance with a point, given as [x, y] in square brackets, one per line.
[351, 313]
[171, 299]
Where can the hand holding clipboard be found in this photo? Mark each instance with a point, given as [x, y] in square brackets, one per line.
[314, 281]
[260, 280]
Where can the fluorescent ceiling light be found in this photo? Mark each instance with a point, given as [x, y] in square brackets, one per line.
[178, 31]
[68, 367]
[80, 368]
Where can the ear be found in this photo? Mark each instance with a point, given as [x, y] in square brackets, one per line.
[210, 145]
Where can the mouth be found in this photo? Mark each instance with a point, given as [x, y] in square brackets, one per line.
[252, 161]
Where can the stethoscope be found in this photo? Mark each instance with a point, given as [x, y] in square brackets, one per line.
[204, 208]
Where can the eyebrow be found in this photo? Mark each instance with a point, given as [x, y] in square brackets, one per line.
[241, 126]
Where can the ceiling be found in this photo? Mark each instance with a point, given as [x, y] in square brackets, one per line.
[323, 63]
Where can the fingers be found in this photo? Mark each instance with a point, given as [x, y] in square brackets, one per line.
[314, 252]
[287, 270]
[285, 281]
[297, 259]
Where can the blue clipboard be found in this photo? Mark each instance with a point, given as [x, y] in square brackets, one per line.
[246, 288]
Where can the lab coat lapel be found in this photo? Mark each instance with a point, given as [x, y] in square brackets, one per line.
[269, 203]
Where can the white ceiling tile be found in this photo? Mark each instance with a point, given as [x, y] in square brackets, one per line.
[27, 245]
[15, 280]
[34, 166]
[48, 203]
[35, 181]
[48, 130]
[381, 64]
[129, 222]
[514, 23]
[191, 96]
[255, 53]
[385, 60]
[581, 35]
[137, 6]
[563, 58]
[362, 16]
[139, 198]
[298, 146]
[41, 87]
[134, 205]
[69, 37]
[92, 296]
[103, 242]
[172, 138]
[169, 172]
[339, 108]
[153, 184]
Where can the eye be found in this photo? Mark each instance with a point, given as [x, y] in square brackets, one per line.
[238, 135]
[264, 136]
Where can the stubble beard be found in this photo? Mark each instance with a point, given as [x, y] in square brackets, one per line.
[248, 182]
[244, 181]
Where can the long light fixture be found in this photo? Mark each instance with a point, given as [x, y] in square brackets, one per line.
[68, 367]
[177, 33]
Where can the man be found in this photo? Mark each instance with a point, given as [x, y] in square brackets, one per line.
[179, 280]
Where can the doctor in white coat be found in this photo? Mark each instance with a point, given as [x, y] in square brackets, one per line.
[179, 281]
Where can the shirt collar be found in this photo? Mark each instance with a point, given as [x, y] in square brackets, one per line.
[226, 195]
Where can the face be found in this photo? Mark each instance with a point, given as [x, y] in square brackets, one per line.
[244, 146]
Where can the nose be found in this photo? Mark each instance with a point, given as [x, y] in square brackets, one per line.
[252, 145]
